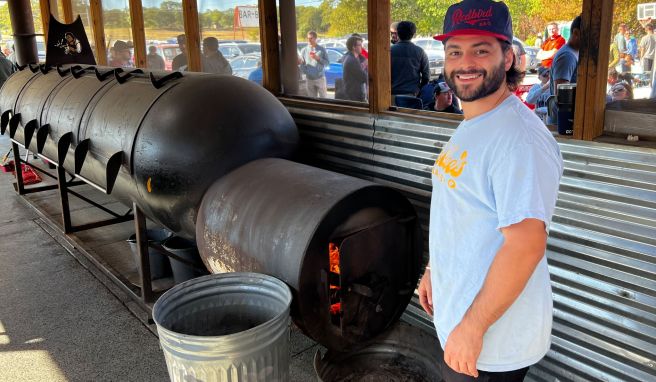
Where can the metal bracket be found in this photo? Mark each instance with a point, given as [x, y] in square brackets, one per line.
[29, 130]
[81, 151]
[13, 124]
[62, 147]
[44, 69]
[158, 83]
[113, 167]
[33, 67]
[41, 136]
[4, 121]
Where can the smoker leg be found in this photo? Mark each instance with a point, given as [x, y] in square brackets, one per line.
[20, 186]
[63, 197]
[144, 257]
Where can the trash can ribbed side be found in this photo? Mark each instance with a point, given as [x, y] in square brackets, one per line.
[226, 327]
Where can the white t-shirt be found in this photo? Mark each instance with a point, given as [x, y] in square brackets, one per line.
[498, 169]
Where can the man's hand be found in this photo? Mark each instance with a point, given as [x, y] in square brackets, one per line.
[463, 348]
[426, 292]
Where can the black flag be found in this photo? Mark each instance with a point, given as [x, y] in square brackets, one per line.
[68, 44]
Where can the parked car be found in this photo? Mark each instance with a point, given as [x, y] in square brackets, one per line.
[168, 53]
[435, 51]
[336, 54]
[244, 65]
[232, 50]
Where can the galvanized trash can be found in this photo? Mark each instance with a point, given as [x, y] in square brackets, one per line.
[226, 327]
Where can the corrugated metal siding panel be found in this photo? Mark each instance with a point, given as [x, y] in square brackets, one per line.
[601, 249]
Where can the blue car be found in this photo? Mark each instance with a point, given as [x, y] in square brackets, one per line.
[333, 72]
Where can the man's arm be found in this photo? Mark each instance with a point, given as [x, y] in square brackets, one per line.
[523, 248]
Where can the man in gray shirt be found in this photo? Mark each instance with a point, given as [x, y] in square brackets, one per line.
[213, 60]
[314, 60]
[648, 49]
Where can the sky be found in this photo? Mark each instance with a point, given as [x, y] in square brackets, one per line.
[203, 5]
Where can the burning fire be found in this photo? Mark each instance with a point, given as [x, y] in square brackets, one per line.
[333, 251]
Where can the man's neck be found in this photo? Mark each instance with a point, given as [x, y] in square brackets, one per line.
[481, 106]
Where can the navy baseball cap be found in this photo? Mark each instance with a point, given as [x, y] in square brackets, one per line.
[478, 17]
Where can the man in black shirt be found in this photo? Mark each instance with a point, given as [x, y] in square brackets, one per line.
[410, 70]
[181, 59]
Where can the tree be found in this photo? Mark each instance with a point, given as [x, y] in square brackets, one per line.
[346, 16]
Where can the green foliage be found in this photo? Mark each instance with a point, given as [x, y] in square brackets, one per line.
[310, 18]
[347, 16]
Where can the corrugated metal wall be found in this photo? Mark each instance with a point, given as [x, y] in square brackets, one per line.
[601, 249]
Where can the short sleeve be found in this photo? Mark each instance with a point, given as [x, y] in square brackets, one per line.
[564, 67]
[525, 184]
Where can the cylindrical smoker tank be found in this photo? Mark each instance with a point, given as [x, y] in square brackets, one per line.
[175, 137]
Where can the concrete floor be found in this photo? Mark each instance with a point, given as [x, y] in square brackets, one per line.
[61, 319]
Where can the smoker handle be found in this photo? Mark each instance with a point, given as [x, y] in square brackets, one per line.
[158, 83]
[63, 72]
[103, 76]
[77, 70]
[121, 79]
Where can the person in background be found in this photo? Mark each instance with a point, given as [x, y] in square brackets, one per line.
[154, 60]
[355, 71]
[495, 185]
[12, 56]
[410, 70]
[648, 49]
[443, 101]
[620, 91]
[180, 61]
[565, 62]
[122, 57]
[6, 68]
[551, 45]
[631, 45]
[539, 92]
[394, 34]
[314, 60]
[212, 60]
[520, 55]
[364, 53]
[620, 43]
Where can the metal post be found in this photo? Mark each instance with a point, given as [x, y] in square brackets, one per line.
[289, 55]
[144, 257]
[63, 197]
[20, 12]
[18, 170]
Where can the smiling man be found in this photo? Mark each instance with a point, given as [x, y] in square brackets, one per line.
[494, 191]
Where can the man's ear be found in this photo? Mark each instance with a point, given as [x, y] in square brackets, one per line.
[509, 57]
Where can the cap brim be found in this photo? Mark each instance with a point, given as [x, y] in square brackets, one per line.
[470, 32]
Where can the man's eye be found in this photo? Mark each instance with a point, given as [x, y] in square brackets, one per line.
[481, 52]
[454, 54]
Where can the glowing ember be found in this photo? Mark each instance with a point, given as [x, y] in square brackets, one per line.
[333, 251]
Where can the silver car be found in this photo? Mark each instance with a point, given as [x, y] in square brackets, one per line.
[435, 51]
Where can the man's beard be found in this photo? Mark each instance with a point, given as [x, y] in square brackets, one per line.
[490, 83]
